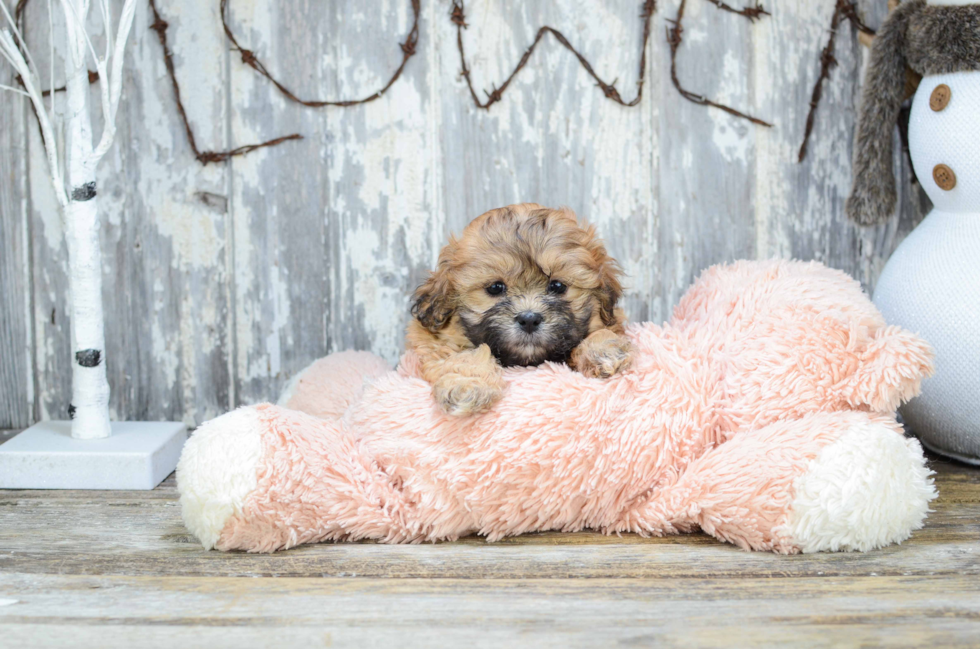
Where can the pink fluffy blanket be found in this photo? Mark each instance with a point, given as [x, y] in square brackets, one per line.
[762, 413]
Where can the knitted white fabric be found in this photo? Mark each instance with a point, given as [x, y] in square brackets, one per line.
[931, 284]
[950, 137]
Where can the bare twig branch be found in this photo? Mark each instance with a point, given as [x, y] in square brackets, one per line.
[50, 56]
[849, 10]
[112, 85]
[843, 9]
[14, 90]
[204, 157]
[752, 13]
[78, 23]
[250, 59]
[93, 76]
[458, 17]
[19, 38]
[675, 36]
[112, 88]
[29, 80]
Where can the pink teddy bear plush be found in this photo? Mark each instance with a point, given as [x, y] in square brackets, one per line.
[762, 413]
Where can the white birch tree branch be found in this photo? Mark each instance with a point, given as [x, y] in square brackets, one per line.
[115, 77]
[90, 390]
[31, 86]
[4, 86]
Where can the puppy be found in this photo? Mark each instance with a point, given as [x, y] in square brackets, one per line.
[523, 285]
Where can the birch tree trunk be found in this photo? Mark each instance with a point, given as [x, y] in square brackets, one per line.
[89, 409]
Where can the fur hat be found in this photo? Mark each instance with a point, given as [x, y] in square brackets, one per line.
[930, 37]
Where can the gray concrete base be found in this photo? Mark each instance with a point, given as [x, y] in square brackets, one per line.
[138, 455]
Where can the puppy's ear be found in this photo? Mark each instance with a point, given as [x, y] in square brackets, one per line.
[433, 304]
[610, 290]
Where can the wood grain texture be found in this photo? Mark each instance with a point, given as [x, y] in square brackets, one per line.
[140, 533]
[823, 612]
[707, 157]
[332, 233]
[222, 282]
[799, 210]
[16, 364]
[114, 569]
[163, 236]
[554, 139]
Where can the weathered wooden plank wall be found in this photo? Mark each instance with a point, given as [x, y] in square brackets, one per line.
[222, 281]
[16, 362]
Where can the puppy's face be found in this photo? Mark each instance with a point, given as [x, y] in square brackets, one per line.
[529, 282]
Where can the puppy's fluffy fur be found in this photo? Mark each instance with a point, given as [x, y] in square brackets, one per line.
[523, 285]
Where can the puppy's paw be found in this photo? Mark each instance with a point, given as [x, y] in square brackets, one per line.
[603, 354]
[473, 385]
[465, 395]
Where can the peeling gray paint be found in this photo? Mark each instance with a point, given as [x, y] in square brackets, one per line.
[221, 282]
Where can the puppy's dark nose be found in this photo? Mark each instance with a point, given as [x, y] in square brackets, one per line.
[529, 321]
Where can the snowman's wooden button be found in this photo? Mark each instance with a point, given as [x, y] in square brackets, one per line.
[944, 177]
[940, 97]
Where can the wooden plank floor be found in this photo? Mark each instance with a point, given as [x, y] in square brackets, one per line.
[117, 569]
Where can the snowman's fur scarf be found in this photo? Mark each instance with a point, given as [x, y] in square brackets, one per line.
[930, 40]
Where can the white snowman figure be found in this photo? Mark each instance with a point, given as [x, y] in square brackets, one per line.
[931, 284]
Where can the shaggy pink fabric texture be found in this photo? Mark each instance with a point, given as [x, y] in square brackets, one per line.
[761, 367]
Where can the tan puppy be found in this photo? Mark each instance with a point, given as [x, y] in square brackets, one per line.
[523, 284]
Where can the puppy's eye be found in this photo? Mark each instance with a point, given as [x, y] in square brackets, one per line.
[497, 288]
[557, 288]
